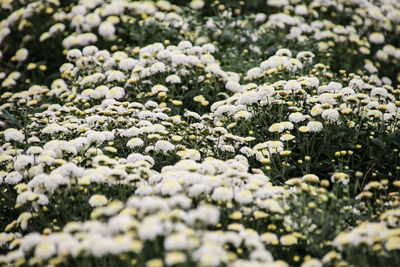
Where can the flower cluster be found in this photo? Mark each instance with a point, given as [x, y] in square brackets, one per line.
[206, 133]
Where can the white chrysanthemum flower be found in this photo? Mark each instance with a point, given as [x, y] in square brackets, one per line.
[54, 128]
[90, 50]
[150, 228]
[287, 137]
[100, 246]
[331, 115]
[97, 200]
[222, 193]
[115, 75]
[175, 257]
[283, 52]
[296, 117]
[208, 214]
[127, 64]
[276, 127]
[315, 126]
[99, 92]
[233, 86]
[13, 178]
[12, 134]
[340, 177]
[328, 98]
[169, 187]
[292, 86]
[173, 79]
[21, 54]
[164, 146]
[45, 250]
[158, 88]
[244, 197]
[310, 178]
[260, 18]
[74, 54]
[254, 73]
[23, 161]
[311, 81]
[115, 93]
[192, 154]
[379, 91]
[243, 114]
[135, 142]
[106, 29]
[196, 4]
[301, 10]
[376, 38]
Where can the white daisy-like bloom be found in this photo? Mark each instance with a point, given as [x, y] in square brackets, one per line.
[115, 93]
[376, 38]
[340, 177]
[135, 142]
[106, 29]
[157, 67]
[233, 86]
[21, 54]
[150, 228]
[276, 127]
[115, 75]
[97, 200]
[292, 86]
[287, 137]
[379, 91]
[196, 4]
[287, 125]
[311, 81]
[192, 154]
[127, 64]
[90, 50]
[254, 73]
[163, 146]
[45, 250]
[12, 134]
[54, 128]
[315, 126]
[328, 98]
[262, 255]
[301, 10]
[74, 54]
[23, 220]
[244, 197]
[169, 187]
[283, 52]
[22, 162]
[222, 193]
[296, 117]
[100, 246]
[335, 87]
[260, 18]
[243, 114]
[13, 178]
[158, 88]
[331, 115]
[99, 92]
[144, 190]
[208, 214]
[197, 189]
[173, 79]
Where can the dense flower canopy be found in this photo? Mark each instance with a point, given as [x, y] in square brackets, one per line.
[200, 133]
